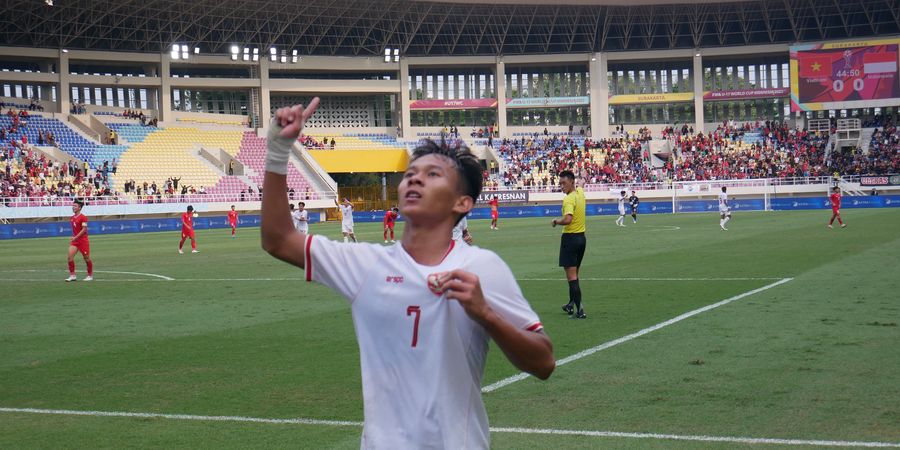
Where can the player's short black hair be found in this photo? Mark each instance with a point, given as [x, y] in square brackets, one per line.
[623, 192]
[724, 188]
[838, 189]
[78, 202]
[395, 209]
[567, 174]
[301, 204]
[190, 208]
[232, 206]
[467, 166]
[291, 205]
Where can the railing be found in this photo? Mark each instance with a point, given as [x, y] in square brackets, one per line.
[660, 185]
[13, 202]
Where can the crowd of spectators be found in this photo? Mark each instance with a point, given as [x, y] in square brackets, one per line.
[781, 152]
[883, 157]
[25, 173]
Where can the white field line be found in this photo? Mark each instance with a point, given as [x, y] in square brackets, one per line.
[342, 423]
[154, 275]
[166, 278]
[623, 339]
[659, 279]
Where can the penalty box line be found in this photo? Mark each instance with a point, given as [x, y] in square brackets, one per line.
[512, 430]
[623, 339]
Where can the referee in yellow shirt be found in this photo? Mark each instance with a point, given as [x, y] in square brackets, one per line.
[573, 242]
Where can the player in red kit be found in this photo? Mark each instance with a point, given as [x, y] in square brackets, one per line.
[836, 207]
[390, 216]
[187, 230]
[495, 212]
[79, 242]
[232, 220]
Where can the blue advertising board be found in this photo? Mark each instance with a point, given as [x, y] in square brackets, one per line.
[32, 230]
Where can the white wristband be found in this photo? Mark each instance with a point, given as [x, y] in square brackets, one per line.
[279, 150]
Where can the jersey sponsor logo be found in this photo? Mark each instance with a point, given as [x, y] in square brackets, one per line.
[393, 279]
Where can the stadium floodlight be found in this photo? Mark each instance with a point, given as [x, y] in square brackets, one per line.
[235, 51]
[196, 50]
[593, 58]
[48, 2]
[246, 54]
[396, 55]
[294, 57]
[387, 55]
[175, 53]
[184, 51]
[65, 50]
[256, 54]
[273, 54]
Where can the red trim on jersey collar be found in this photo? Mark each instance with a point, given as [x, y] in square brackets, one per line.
[450, 249]
[308, 260]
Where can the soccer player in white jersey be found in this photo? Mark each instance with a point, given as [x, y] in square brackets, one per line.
[422, 316]
[346, 219]
[301, 218]
[621, 220]
[461, 231]
[724, 209]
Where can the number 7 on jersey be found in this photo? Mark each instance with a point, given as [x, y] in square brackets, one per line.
[418, 312]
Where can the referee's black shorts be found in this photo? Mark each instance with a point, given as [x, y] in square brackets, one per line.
[571, 249]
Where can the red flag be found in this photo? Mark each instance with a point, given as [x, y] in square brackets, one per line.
[814, 65]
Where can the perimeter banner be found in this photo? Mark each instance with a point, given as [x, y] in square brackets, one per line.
[520, 196]
[880, 180]
[632, 99]
[745, 94]
[476, 103]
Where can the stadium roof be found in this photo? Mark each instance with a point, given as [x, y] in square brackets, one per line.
[429, 28]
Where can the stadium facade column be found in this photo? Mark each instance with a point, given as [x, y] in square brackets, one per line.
[65, 91]
[405, 128]
[698, 93]
[265, 94]
[500, 80]
[599, 93]
[165, 91]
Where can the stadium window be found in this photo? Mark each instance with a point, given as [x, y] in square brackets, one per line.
[785, 75]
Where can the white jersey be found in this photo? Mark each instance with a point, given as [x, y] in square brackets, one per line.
[346, 214]
[621, 206]
[458, 229]
[421, 356]
[301, 221]
[723, 202]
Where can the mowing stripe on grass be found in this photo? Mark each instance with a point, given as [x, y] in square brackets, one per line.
[343, 423]
[657, 279]
[623, 339]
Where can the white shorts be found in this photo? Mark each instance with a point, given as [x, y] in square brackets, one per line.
[621, 212]
[724, 210]
[304, 228]
[347, 227]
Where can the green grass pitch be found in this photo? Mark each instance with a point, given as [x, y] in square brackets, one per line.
[238, 333]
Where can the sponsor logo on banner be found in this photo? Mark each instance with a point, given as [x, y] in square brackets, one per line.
[503, 196]
[474, 103]
[891, 180]
[548, 102]
[629, 99]
[741, 94]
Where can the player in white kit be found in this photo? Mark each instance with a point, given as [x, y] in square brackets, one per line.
[621, 220]
[301, 218]
[422, 316]
[724, 209]
[346, 219]
[461, 231]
